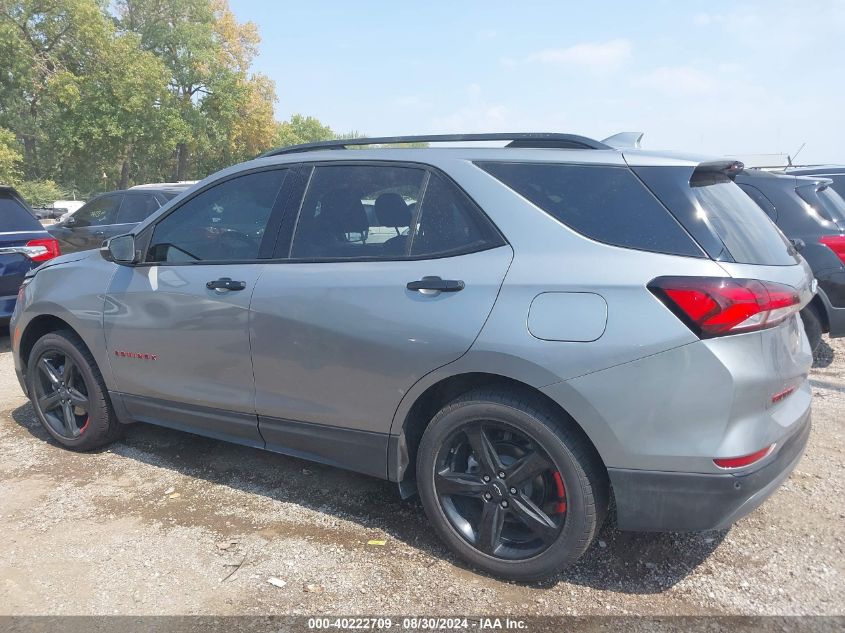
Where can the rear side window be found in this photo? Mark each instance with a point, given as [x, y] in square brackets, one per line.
[136, 208]
[725, 222]
[15, 217]
[762, 201]
[607, 204]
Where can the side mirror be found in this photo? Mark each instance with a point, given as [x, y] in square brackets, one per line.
[120, 250]
[70, 221]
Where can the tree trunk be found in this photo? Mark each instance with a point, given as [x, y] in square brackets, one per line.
[182, 163]
[124, 169]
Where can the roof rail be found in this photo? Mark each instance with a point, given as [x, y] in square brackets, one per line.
[518, 139]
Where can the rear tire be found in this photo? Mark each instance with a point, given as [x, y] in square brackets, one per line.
[544, 520]
[68, 393]
[812, 326]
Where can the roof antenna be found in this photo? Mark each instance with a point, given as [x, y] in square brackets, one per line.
[789, 158]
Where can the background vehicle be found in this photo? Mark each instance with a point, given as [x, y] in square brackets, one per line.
[836, 173]
[110, 214]
[551, 319]
[808, 211]
[24, 244]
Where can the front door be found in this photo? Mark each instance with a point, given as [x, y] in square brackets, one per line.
[86, 229]
[177, 325]
[384, 283]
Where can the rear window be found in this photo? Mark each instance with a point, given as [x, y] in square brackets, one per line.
[727, 224]
[607, 204]
[834, 204]
[15, 217]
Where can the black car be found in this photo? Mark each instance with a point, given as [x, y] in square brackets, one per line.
[836, 173]
[811, 214]
[24, 244]
[111, 214]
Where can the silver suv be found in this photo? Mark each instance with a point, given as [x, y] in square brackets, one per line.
[515, 332]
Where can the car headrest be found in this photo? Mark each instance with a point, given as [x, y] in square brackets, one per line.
[341, 211]
[391, 210]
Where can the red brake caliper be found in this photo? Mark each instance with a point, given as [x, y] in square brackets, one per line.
[560, 506]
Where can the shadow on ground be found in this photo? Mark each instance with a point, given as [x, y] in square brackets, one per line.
[626, 562]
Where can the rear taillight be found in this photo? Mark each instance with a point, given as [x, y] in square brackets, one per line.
[836, 243]
[42, 249]
[745, 460]
[716, 306]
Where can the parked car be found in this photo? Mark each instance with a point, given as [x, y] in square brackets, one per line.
[836, 173]
[110, 214]
[812, 214]
[550, 321]
[24, 244]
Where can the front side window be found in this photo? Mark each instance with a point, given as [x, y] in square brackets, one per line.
[223, 223]
[98, 212]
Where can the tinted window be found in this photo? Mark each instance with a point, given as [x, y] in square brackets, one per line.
[354, 211]
[607, 204]
[833, 203]
[762, 201]
[225, 222]
[16, 217]
[136, 207]
[99, 211]
[449, 223]
[725, 222]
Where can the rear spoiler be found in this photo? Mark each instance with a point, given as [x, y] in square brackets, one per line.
[625, 140]
[715, 171]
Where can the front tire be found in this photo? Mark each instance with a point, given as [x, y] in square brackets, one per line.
[68, 393]
[510, 486]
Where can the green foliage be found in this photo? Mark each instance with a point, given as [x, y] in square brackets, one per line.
[10, 158]
[40, 193]
[101, 94]
[303, 129]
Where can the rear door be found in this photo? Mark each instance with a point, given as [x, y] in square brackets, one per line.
[359, 306]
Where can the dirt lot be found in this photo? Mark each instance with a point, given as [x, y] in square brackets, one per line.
[166, 522]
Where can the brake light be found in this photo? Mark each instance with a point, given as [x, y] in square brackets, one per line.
[716, 306]
[836, 243]
[41, 250]
[745, 460]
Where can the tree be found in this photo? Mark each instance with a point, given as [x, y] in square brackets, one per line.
[10, 158]
[303, 129]
[226, 111]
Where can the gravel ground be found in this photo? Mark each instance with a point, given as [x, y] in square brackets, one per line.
[169, 523]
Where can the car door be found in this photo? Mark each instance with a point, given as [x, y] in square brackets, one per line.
[176, 326]
[85, 229]
[348, 321]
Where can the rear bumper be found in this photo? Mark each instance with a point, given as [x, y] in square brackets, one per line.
[691, 502]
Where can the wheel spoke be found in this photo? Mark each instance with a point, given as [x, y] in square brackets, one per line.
[534, 518]
[483, 449]
[527, 467]
[48, 370]
[69, 418]
[48, 402]
[67, 370]
[78, 399]
[490, 528]
[448, 483]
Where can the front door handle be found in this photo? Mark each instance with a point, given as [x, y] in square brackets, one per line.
[436, 284]
[225, 283]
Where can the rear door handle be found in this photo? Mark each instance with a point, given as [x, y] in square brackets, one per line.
[225, 283]
[435, 284]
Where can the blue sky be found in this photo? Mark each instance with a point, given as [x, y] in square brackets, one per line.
[712, 77]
